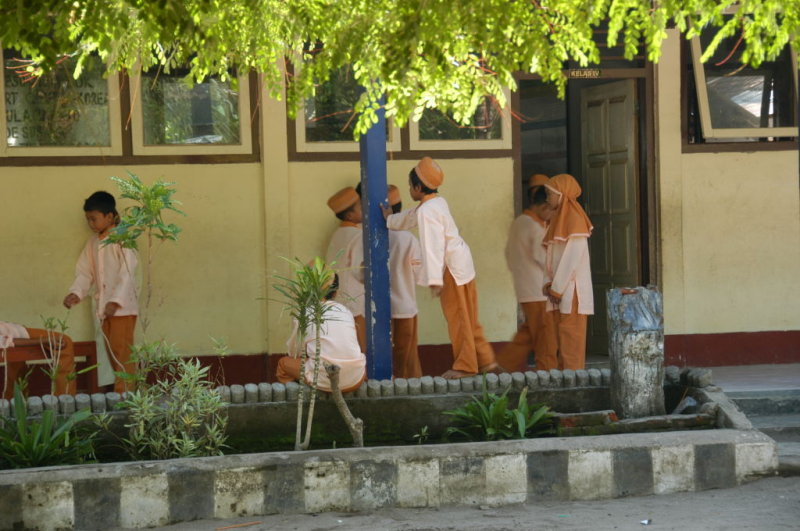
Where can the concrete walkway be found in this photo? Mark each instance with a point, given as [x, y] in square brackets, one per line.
[741, 378]
[763, 505]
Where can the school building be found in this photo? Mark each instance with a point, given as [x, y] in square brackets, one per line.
[689, 174]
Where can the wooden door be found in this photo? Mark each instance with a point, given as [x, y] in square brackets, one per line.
[608, 151]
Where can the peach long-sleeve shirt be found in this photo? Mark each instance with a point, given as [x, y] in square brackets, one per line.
[111, 269]
[526, 257]
[338, 345]
[346, 248]
[568, 266]
[405, 260]
[442, 246]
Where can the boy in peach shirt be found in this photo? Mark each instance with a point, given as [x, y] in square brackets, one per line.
[404, 262]
[447, 268]
[346, 249]
[526, 257]
[338, 345]
[110, 269]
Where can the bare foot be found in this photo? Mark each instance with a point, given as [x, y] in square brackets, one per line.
[494, 368]
[453, 374]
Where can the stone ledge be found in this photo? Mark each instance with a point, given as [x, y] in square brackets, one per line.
[275, 392]
[143, 494]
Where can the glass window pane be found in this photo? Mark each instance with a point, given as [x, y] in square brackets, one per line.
[329, 115]
[743, 97]
[178, 111]
[486, 125]
[56, 110]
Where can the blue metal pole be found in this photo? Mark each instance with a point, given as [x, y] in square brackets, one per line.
[378, 312]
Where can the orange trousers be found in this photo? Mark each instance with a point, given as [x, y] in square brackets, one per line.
[361, 332]
[405, 356]
[537, 333]
[118, 332]
[66, 364]
[571, 337]
[471, 351]
[289, 371]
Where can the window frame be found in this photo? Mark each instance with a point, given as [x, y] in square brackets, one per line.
[115, 148]
[337, 146]
[502, 143]
[704, 111]
[139, 148]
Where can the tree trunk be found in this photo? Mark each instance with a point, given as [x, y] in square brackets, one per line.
[355, 425]
[636, 351]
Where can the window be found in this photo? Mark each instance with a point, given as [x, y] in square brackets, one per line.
[490, 129]
[732, 102]
[179, 116]
[57, 114]
[327, 120]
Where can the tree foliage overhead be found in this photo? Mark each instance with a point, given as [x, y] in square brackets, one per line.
[447, 54]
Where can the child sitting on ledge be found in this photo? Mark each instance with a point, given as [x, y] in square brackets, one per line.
[338, 346]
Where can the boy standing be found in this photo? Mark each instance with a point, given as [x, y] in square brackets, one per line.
[110, 269]
[404, 263]
[346, 248]
[526, 257]
[447, 268]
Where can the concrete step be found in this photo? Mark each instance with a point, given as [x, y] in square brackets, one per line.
[767, 402]
[782, 428]
[785, 430]
[789, 459]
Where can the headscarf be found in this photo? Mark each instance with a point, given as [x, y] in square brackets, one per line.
[570, 219]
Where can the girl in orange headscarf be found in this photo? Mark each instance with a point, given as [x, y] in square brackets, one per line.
[568, 265]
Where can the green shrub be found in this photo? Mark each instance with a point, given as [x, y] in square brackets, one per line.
[179, 415]
[47, 441]
[488, 418]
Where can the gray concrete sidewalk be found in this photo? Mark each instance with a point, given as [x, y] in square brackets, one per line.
[767, 504]
[742, 378]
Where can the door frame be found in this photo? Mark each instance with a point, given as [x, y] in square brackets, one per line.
[649, 211]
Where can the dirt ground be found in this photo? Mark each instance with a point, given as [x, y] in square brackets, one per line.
[766, 504]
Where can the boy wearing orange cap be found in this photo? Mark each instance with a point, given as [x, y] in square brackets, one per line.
[346, 249]
[405, 260]
[526, 257]
[570, 290]
[447, 268]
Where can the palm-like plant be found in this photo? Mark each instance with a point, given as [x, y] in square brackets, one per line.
[145, 217]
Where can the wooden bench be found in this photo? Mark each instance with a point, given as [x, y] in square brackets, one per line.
[33, 352]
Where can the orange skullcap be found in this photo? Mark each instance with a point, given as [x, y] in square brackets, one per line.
[429, 172]
[538, 179]
[393, 196]
[343, 199]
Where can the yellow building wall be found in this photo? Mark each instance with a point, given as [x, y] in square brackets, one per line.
[210, 282]
[242, 219]
[730, 228]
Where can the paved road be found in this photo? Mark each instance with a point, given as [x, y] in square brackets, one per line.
[767, 504]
